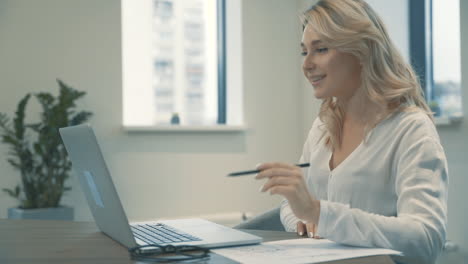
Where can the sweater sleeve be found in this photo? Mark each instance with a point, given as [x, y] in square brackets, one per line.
[288, 219]
[419, 229]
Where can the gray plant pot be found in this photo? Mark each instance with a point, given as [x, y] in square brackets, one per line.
[58, 213]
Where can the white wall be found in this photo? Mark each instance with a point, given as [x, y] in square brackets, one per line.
[164, 174]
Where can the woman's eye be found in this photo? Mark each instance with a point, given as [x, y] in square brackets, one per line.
[304, 53]
[322, 50]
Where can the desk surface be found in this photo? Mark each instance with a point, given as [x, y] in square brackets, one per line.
[39, 241]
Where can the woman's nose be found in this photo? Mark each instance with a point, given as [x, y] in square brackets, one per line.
[308, 63]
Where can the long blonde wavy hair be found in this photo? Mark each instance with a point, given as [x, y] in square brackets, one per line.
[387, 80]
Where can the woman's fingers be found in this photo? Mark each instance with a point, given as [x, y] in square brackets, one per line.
[314, 231]
[269, 165]
[288, 181]
[310, 229]
[307, 229]
[277, 168]
[277, 181]
[274, 172]
[301, 228]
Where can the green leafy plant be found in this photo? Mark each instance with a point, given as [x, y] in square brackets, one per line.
[36, 149]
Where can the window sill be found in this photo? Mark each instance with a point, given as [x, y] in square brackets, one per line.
[186, 128]
[447, 121]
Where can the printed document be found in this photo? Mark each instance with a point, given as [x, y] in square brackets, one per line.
[299, 251]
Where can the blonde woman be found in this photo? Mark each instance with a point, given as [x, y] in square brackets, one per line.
[378, 174]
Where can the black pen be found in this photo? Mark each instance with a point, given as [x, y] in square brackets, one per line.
[240, 173]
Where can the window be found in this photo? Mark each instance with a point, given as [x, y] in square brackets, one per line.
[435, 53]
[175, 61]
[184, 55]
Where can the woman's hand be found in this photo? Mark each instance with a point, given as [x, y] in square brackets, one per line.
[288, 180]
[308, 229]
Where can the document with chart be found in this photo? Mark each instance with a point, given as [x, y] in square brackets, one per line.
[299, 251]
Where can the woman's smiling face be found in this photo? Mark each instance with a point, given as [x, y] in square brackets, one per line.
[332, 73]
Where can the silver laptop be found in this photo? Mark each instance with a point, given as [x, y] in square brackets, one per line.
[89, 165]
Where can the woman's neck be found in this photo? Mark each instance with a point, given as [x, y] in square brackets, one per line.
[358, 109]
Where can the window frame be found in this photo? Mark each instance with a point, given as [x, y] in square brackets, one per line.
[221, 26]
[420, 32]
[421, 52]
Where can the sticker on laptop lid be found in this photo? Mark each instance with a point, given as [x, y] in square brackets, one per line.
[93, 189]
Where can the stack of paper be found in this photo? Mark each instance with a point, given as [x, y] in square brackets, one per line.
[299, 251]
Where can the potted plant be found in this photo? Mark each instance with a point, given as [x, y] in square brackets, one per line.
[37, 152]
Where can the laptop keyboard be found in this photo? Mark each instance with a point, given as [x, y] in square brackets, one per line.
[160, 234]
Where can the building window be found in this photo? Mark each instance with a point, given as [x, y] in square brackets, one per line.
[435, 53]
[174, 62]
[185, 56]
